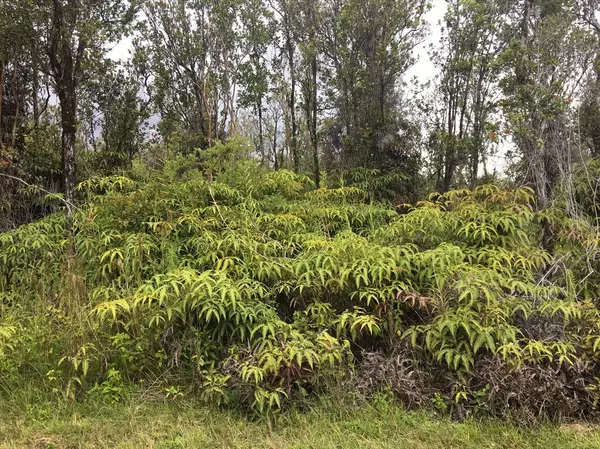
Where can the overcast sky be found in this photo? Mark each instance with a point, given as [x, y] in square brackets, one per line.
[424, 68]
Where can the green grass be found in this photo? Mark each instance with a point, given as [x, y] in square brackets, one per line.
[170, 426]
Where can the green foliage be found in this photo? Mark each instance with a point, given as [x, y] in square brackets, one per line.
[254, 288]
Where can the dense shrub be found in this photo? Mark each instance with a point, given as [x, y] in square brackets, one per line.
[251, 287]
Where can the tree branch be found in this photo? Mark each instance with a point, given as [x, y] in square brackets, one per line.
[22, 181]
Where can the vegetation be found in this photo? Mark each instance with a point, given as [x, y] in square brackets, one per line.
[313, 85]
[239, 213]
[162, 426]
[251, 287]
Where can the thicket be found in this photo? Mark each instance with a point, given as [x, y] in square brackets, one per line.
[241, 285]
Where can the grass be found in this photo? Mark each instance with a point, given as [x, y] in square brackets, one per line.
[186, 425]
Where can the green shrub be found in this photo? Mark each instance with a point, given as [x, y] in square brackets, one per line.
[251, 287]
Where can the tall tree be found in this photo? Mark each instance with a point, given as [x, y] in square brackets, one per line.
[547, 61]
[369, 47]
[467, 88]
[288, 32]
[589, 111]
[73, 35]
[114, 108]
[308, 23]
[191, 49]
[257, 35]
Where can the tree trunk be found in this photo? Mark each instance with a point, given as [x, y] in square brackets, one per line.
[35, 87]
[313, 124]
[65, 67]
[276, 160]
[449, 164]
[292, 100]
[35, 100]
[68, 106]
[478, 129]
[2, 73]
[15, 95]
[261, 140]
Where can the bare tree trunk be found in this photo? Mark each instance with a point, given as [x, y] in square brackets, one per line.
[313, 122]
[15, 96]
[526, 19]
[478, 128]
[215, 113]
[68, 106]
[2, 73]
[207, 111]
[35, 100]
[276, 163]
[261, 143]
[449, 162]
[34, 97]
[292, 100]
[449, 143]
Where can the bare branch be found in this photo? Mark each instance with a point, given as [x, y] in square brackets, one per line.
[22, 181]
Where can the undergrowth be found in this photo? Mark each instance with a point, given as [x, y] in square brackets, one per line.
[250, 287]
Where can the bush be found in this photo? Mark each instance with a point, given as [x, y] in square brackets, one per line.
[250, 287]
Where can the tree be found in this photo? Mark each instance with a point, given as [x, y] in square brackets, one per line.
[368, 47]
[589, 111]
[113, 113]
[547, 60]
[309, 18]
[257, 35]
[285, 9]
[467, 88]
[191, 49]
[74, 35]
[16, 74]
[24, 98]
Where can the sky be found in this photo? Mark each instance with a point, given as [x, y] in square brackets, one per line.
[424, 68]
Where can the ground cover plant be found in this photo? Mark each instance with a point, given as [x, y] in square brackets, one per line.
[329, 425]
[247, 287]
